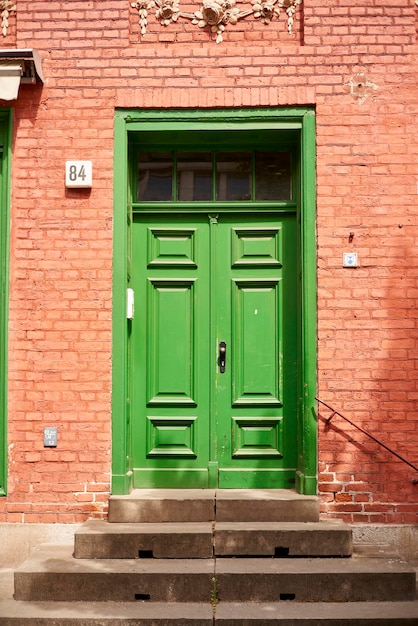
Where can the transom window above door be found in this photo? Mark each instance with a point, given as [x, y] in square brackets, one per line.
[214, 176]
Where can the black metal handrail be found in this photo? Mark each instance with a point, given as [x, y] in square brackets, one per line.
[380, 443]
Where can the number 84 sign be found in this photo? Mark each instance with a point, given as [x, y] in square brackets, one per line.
[78, 174]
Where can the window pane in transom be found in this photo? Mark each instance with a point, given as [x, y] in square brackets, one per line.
[273, 180]
[194, 176]
[233, 171]
[155, 176]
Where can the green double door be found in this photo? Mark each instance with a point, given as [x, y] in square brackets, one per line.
[214, 370]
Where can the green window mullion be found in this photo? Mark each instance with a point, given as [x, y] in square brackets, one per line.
[214, 177]
[295, 173]
[133, 172]
[175, 177]
[253, 176]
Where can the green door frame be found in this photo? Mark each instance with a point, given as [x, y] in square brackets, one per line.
[5, 158]
[133, 121]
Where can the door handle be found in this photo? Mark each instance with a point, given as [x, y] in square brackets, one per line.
[222, 356]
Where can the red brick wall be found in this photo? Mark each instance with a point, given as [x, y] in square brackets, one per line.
[357, 63]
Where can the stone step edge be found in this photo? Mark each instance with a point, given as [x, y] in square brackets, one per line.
[147, 505]
[318, 613]
[101, 539]
[217, 493]
[102, 526]
[115, 613]
[397, 580]
[60, 559]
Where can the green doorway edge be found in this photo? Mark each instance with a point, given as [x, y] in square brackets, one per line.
[281, 118]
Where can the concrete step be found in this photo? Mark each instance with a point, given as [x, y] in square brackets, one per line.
[283, 539]
[163, 505]
[314, 580]
[318, 614]
[14, 613]
[101, 540]
[265, 505]
[200, 505]
[53, 574]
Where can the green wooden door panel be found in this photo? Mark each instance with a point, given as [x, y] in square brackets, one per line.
[171, 436]
[200, 280]
[256, 246]
[256, 344]
[257, 302]
[170, 351]
[171, 247]
[257, 437]
[170, 339]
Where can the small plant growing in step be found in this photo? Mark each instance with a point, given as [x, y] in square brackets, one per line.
[214, 594]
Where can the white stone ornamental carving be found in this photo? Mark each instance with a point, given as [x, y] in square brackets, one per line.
[6, 7]
[215, 14]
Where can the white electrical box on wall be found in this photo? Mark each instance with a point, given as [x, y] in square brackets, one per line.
[350, 259]
[78, 174]
[50, 437]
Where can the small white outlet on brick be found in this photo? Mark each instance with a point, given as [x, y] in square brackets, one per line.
[350, 259]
